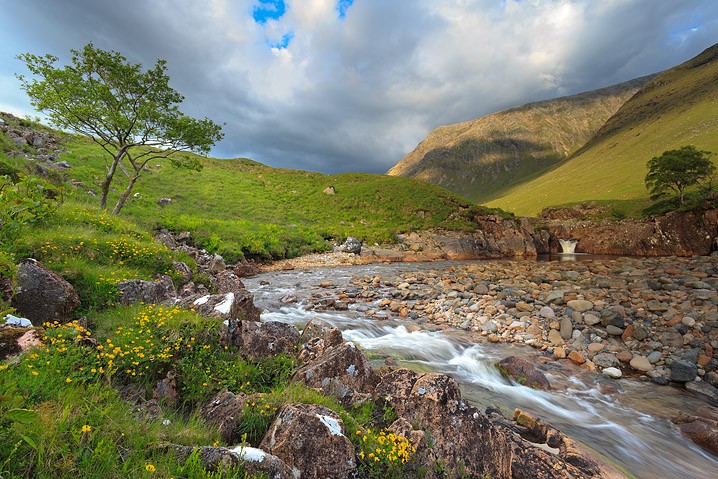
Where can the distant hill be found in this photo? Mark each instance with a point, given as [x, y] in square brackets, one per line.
[678, 107]
[481, 159]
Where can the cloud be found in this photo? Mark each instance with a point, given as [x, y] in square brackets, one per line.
[331, 85]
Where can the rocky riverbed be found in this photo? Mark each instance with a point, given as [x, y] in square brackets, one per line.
[656, 318]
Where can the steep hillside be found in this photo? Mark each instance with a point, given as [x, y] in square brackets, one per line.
[678, 107]
[482, 158]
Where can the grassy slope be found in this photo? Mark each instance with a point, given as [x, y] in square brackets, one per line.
[482, 158]
[244, 205]
[676, 108]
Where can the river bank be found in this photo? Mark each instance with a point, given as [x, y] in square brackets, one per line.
[656, 317]
[441, 317]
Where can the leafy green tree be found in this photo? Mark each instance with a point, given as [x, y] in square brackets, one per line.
[676, 170]
[132, 114]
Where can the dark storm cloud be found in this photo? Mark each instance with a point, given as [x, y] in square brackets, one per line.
[356, 93]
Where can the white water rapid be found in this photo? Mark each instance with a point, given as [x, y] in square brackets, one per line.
[625, 420]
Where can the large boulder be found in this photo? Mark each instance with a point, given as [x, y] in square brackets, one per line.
[224, 412]
[149, 292]
[523, 372]
[310, 439]
[264, 339]
[351, 245]
[342, 371]
[462, 438]
[41, 295]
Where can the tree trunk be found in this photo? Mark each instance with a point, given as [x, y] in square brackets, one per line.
[125, 194]
[110, 176]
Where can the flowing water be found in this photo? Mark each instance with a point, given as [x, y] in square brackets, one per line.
[625, 420]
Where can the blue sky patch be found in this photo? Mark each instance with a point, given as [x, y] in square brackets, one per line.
[343, 6]
[268, 10]
[284, 42]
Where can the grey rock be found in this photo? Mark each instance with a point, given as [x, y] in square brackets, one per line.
[704, 389]
[683, 371]
[351, 245]
[605, 360]
[566, 329]
[41, 295]
[614, 330]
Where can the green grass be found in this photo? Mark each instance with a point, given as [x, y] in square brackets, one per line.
[677, 108]
[240, 207]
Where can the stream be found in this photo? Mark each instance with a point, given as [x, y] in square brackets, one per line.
[627, 420]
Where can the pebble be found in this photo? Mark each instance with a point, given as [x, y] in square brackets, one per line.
[612, 372]
[580, 305]
[641, 363]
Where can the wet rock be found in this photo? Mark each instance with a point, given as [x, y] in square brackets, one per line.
[704, 389]
[683, 371]
[702, 431]
[523, 372]
[41, 295]
[310, 439]
[133, 291]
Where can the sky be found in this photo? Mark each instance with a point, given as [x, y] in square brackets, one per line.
[354, 85]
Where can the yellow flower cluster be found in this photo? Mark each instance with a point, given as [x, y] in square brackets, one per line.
[385, 446]
[134, 349]
[127, 248]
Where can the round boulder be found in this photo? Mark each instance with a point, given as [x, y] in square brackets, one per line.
[41, 295]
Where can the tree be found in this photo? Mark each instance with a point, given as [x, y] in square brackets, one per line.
[132, 114]
[676, 170]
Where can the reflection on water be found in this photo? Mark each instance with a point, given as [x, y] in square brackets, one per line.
[628, 422]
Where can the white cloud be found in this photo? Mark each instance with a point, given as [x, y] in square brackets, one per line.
[358, 92]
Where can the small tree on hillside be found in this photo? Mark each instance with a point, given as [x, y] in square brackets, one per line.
[132, 114]
[676, 170]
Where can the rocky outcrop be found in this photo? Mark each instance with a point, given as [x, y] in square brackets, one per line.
[149, 292]
[264, 339]
[462, 438]
[494, 237]
[675, 234]
[311, 439]
[523, 372]
[41, 295]
[340, 370]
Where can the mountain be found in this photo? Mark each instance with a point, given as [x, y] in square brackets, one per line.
[480, 159]
[678, 107]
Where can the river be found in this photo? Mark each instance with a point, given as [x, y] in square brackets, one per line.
[627, 420]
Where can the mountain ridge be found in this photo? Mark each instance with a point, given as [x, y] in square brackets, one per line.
[512, 145]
